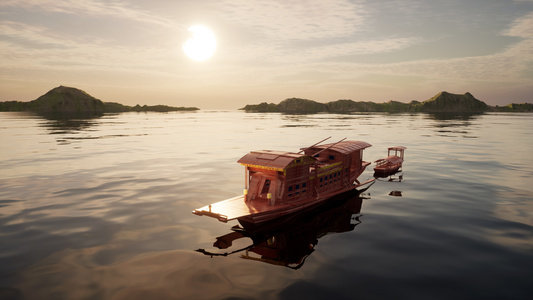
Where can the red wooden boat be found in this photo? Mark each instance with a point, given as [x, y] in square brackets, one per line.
[392, 162]
[280, 183]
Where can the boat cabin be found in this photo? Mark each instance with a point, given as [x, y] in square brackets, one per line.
[277, 177]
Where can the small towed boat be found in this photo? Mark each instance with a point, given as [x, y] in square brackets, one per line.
[392, 162]
[278, 183]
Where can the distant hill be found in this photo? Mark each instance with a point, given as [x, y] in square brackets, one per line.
[64, 99]
[446, 102]
[301, 105]
[514, 107]
[442, 102]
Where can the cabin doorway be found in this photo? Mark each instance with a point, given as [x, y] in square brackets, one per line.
[265, 189]
[261, 186]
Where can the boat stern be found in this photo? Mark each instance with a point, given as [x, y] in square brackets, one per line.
[226, 210]
[206, 211]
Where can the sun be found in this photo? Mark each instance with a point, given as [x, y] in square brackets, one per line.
[202, 45]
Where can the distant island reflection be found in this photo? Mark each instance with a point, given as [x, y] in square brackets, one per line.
[67, 123]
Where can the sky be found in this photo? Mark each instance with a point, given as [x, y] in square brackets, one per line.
[130, 51]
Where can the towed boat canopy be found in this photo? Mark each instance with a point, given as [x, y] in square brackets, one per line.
[391, 159]
[398, 148]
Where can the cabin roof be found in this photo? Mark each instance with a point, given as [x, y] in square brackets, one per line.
[398, 148]
[345, 147]
[277, 160]
[391, 159]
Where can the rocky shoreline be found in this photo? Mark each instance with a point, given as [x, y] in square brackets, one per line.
[442, 102]
[64, 99]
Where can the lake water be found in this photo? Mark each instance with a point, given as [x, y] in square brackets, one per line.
[101, 209]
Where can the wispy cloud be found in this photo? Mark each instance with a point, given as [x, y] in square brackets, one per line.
[116, 9]
[39, 44]
[34, 47]
[292, 32]
[522, 27]
[357, 48]
[296, 20]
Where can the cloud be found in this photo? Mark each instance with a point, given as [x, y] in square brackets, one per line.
[328, 52]
[25, 46]
[294, 32]
[279, 21]
[504, 66]
[522, 27]
[116, 9]
[79, 36]
[358, 48]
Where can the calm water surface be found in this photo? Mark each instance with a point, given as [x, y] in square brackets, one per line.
[100, 208]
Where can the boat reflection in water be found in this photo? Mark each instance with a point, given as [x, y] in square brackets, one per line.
[396, 176]
[289, 240]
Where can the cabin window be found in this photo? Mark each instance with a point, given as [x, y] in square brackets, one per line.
[316, 155]
[290, 188]
[335, 175]
[321, 179]
[297, 186]
[298, 160]
[304, 184]
[332, 157]
[346, 170]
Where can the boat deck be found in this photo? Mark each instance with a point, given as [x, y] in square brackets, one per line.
[236, 208]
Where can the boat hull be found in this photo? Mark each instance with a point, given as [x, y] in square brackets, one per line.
[258, 212]
[387, 169]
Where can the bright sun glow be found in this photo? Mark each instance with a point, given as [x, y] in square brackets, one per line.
[202, 45]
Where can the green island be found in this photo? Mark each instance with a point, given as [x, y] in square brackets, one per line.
[442, 102]
[64, 99]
